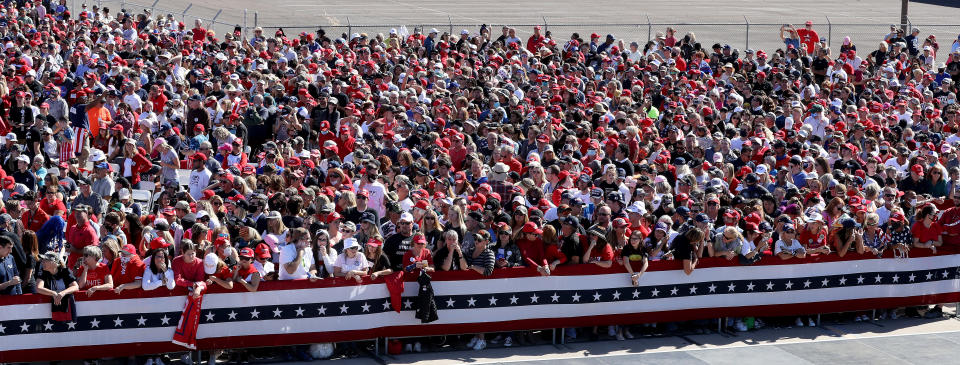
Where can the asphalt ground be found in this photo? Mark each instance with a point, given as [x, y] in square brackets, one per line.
[719, 21]
[837, 340]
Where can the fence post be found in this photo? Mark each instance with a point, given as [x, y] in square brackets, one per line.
[747, 21]
[214, 20]
[829, 32]
[153, 8]
[649, 29]
[244, 35]
[349, 27]
[183, 16]
[450, 22]
[123, 5]
[256, 16]
[546, 28]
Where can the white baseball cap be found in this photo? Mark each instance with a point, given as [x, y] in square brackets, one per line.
[210, 263]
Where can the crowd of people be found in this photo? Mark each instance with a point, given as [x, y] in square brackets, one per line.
[292, 157]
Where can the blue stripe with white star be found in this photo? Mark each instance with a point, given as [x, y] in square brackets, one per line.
[485, 300]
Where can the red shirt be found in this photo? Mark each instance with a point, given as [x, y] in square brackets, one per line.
[186, 274]
[532, 251]
[128, 273]
[34, 220]
[225, 273]
[50, 208]
[951, 230]
[79, 237]
[809, 38]
[457, 155]
[599, 253]
[813, 239]
[246, 274]
[158, 103]
[199, 34]
[409, 258]
[97, 276]
[553, 253]
[924, 233]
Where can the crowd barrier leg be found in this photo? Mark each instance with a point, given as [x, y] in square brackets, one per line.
[818, 319]
[720, 324]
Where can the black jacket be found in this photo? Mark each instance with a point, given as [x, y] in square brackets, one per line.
[425, 305]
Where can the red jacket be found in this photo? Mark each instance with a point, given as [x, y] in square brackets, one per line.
[140, 165]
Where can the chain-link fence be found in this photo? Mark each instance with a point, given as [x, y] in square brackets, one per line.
[741, 34]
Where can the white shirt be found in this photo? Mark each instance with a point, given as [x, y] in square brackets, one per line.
[264, 268]
[133, 101]
[818, 123]
[794, 247]
[953, 139]
[901, 169]
[287, 255]
[152, 281]
[378, 193]
[199, 180]
[884, 215]
[358, 262]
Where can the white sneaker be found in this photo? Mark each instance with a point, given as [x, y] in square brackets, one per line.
[473, 342]
[497, 339]
[611, 331]
[408, 348]
[149, 362]
[627, 334]
[508, 342]
[416, 347]
[858, 318]
[186, 358]
[620, 337]
[798, 323]
[481, 344]
[812, 323]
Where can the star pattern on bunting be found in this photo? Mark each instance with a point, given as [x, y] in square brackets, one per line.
[573, 296]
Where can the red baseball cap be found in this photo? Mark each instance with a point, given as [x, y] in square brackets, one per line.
[246, 252]
[419, 239]
[159, 243]
[422, 204]
[263, 251]
[917, 169]
[531, 227]
[128, 248]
